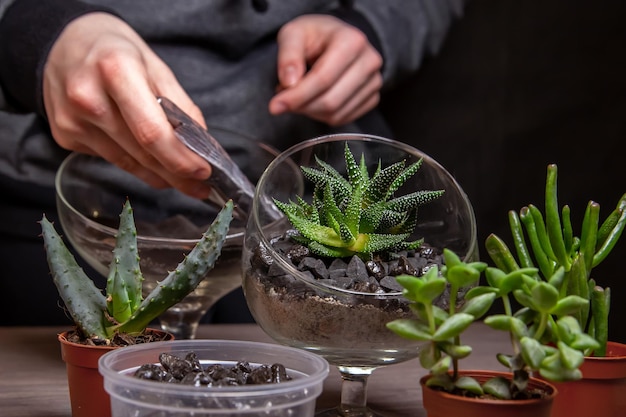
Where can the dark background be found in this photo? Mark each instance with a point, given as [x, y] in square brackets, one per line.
[516, 86]
[519, 85]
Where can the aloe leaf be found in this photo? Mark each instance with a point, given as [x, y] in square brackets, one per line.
[83, 300]
[118, 301]
[124, 282]
[187, 275]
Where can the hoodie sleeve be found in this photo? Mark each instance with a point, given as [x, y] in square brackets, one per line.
[405, 31]
[28, 29]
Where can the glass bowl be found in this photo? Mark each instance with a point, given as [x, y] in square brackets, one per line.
[90, 193]
[347, 327]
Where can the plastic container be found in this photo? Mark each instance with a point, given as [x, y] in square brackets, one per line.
[135, 397]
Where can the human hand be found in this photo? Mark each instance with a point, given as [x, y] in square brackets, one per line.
[100, 86]
[344, 78]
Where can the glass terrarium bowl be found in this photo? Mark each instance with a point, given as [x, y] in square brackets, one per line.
[131, 396]
[91, 192]
[346, 327]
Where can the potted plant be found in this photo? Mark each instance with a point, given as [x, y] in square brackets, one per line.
[539, 342]
[119, 317]
[554, 245]
[321, 277]
[563, 315]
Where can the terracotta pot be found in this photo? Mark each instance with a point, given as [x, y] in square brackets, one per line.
[87, 395]
[601, 392]
[442, 404]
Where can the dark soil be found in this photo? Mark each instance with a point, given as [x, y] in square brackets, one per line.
[189, 371]
[529, 394]
[373, 276]
[119, 339]
[306, 313]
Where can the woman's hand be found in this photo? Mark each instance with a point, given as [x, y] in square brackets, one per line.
[327, 70]
[100, 86]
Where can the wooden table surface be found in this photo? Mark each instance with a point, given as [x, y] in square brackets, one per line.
[33, 381]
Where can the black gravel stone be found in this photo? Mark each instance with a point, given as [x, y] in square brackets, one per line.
[189, 371]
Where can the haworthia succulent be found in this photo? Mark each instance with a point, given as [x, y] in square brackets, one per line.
[358, 214]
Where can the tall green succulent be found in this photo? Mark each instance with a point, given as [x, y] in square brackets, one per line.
[554, 246]
[122, 309]
[563, 313]
[358, 214]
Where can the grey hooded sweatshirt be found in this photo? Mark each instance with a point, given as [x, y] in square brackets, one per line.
[223, 53]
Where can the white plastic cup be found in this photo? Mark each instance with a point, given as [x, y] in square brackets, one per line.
[131, 396]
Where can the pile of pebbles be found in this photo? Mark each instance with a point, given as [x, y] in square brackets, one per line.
[375, 276]
[189, 371]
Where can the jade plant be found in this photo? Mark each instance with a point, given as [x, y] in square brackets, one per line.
[562, 314]
[544, 337]
[555, 246]
[358, 215]
[122, 308]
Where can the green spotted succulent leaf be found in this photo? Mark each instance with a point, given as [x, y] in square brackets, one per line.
[359, 213]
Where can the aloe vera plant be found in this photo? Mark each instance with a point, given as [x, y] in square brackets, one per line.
[554, 246]
[122, 309]
[358, 214]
